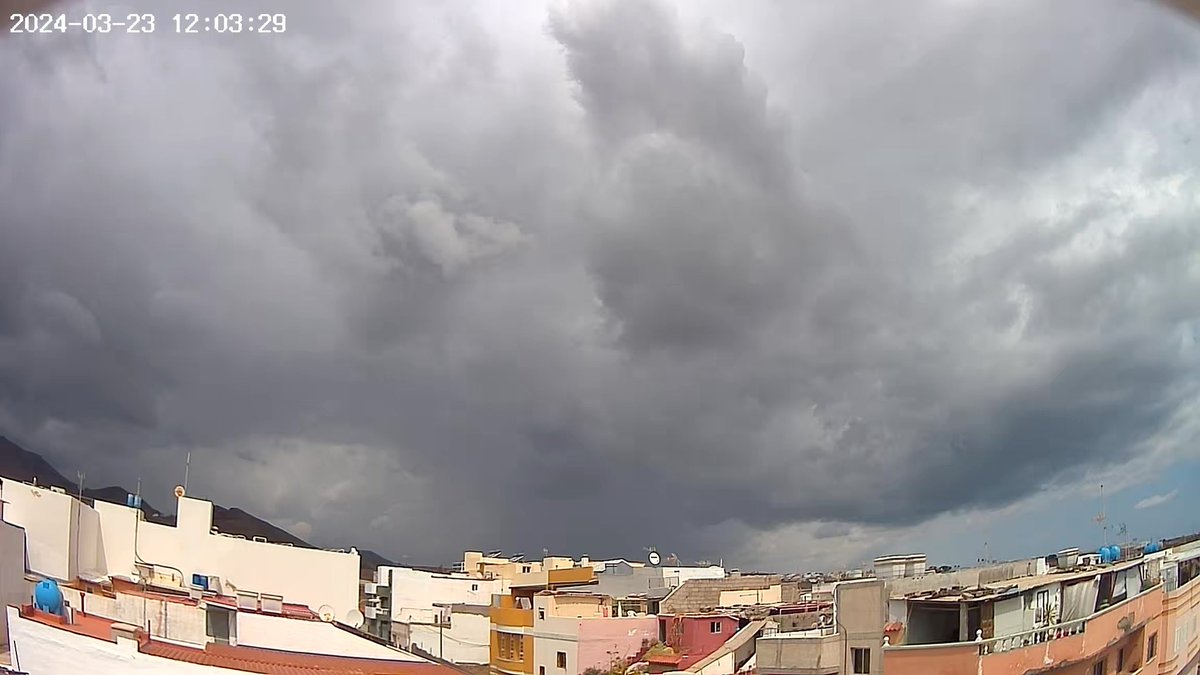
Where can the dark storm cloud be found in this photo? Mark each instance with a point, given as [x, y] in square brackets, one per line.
[583, 279]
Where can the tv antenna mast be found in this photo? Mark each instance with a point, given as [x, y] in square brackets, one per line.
[1101, 519]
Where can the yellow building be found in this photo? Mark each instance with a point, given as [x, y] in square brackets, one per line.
[512, 615]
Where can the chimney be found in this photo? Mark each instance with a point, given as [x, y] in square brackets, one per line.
[126, 636]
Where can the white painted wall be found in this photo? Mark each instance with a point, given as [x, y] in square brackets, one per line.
[305, 576]
[49, 522]
[118, 525]
[415, 592]
[725, 665]
[89, 543]
[676, 576]
[466, 641]
[545, 650]
[66, 539]
[751, 597]
[1009, 616]
[43, 649]
[314, 637]
[172, 621]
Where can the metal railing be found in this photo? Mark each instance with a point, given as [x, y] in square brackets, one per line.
[1031, 637]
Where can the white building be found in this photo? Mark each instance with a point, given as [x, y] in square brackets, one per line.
[900, 566]
[462, 637]
[431, 610]
[67, 540]
[416, 594]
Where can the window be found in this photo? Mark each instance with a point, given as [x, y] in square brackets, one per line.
[541, 612]
[474, 587]
[525, 569]
[1121, 660]
[541, 670]
[560, 660]
[714, 626]
[512, 647]
[862, 659]
[1098, 668]
[1152, 646]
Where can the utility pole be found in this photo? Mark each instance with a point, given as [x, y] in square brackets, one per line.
[79, 476]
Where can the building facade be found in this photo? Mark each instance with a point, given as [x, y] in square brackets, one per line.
[1130, 617]
[14, 590]
[67, 540]
[849, 643]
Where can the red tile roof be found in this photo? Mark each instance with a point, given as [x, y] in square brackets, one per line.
[275, 662]
[84, 624]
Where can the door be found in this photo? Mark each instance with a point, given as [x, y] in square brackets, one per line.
[987, 620]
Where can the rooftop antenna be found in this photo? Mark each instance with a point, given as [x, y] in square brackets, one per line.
[1101, 519]
[187, 468]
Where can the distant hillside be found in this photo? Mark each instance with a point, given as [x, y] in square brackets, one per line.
[20, 464]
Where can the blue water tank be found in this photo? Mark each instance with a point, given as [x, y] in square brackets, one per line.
[1153, 547]
[1114, 553]
[48, 597]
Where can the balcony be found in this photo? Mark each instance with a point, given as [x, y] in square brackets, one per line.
[1036, 636]
[511, 617]
[1067, 643]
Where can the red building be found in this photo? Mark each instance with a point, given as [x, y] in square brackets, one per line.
[691, 638]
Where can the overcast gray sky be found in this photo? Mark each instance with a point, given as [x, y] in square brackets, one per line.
[787, 283]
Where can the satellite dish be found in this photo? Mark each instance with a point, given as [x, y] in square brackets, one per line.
[654, 558]
[326, 613]
[179, 491]
[355, 618]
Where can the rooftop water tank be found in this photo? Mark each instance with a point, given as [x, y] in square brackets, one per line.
[48, 597]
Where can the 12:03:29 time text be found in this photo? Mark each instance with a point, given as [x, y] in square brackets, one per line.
[230, 23]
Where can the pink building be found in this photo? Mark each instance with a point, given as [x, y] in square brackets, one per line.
[574, 632]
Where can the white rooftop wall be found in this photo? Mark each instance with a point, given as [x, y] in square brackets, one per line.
[314, 637]
[50, 524]
[305, 576]
[677, 576]
[465, 641]
[43, 649]
[66, 539]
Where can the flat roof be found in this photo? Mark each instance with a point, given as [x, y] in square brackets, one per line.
[1017, 585]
